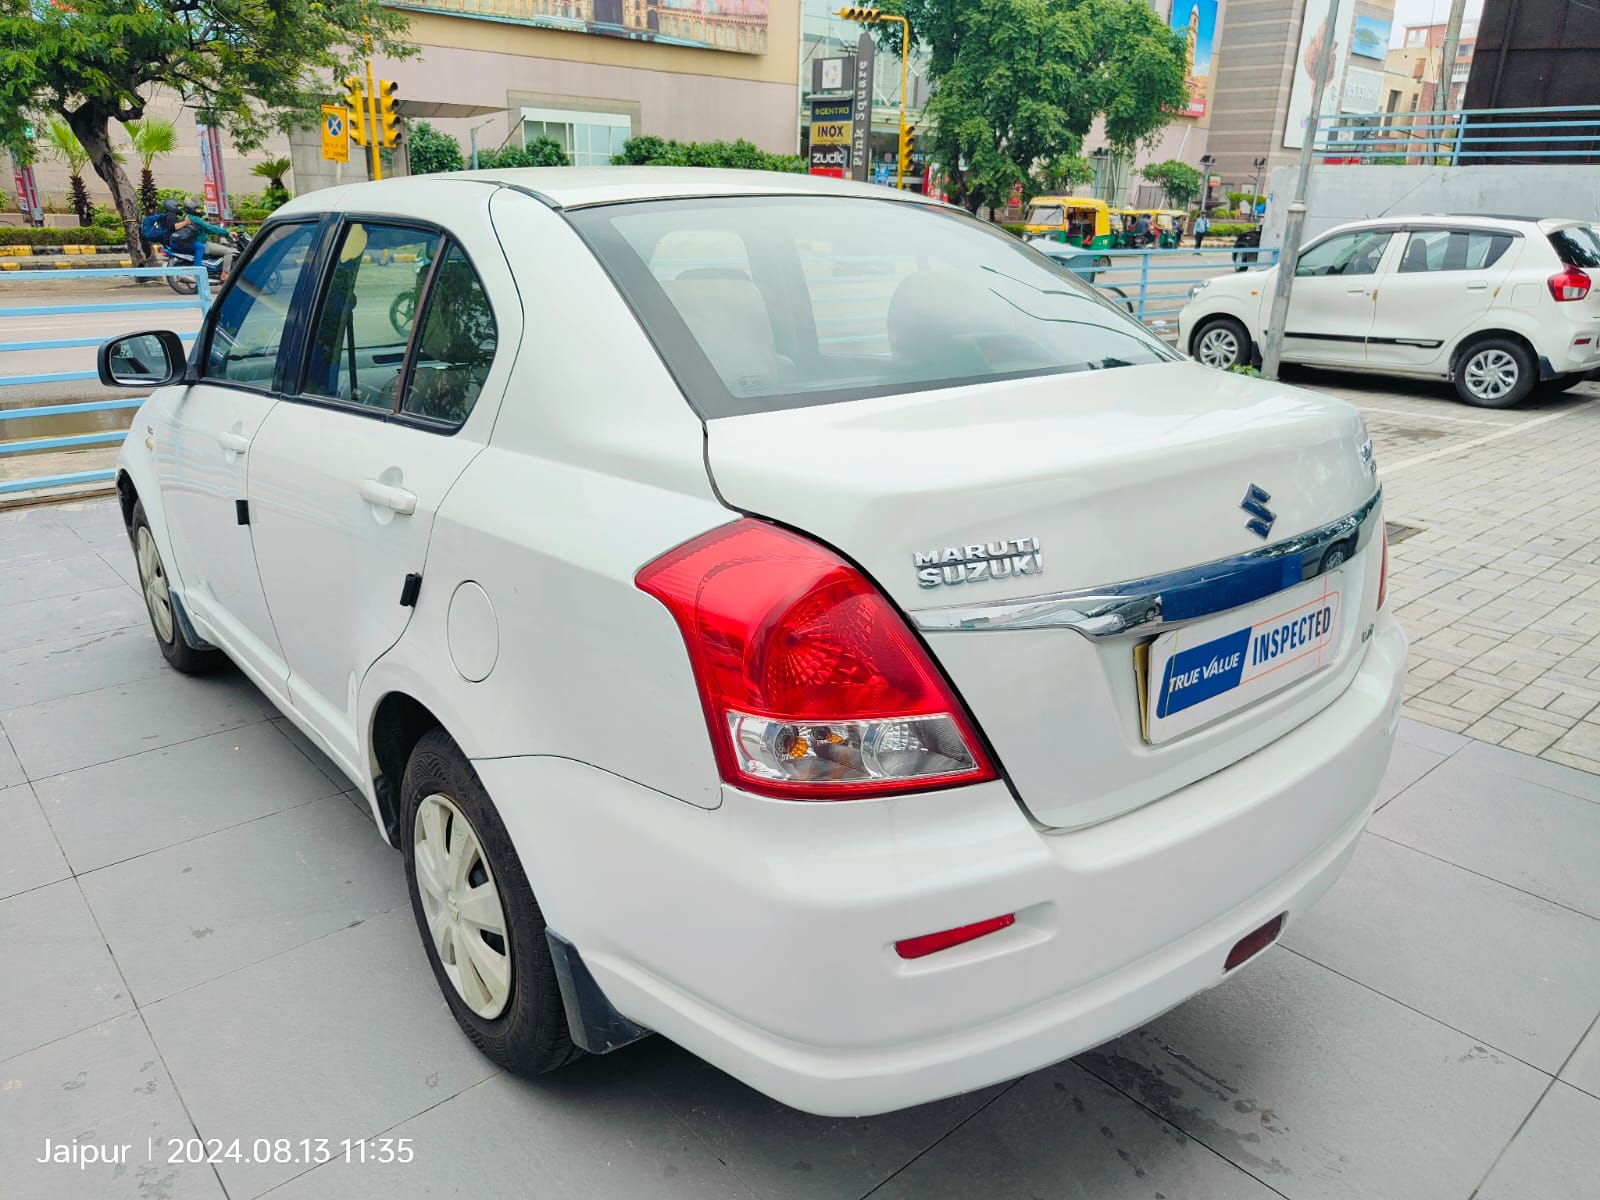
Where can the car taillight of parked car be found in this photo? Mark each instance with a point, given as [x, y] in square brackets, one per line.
[814, 686]
[1573, 283]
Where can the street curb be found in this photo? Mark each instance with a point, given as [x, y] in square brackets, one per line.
[79, 262]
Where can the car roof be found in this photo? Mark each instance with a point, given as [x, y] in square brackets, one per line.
[1457, 220]
[578, 187]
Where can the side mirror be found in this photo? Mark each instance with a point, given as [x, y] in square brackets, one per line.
[142, 360]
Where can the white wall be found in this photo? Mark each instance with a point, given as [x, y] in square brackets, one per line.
[1351, 193]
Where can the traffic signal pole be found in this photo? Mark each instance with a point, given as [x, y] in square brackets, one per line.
[873, 16]
[370, 113]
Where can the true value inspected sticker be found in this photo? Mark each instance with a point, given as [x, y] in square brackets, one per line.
[1206, 670]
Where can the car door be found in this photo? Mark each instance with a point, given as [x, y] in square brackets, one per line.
[1331, 307]
[349, 471]
[203, 457]
[1443, 281]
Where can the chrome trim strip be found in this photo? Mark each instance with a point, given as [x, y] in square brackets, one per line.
[1146, 606]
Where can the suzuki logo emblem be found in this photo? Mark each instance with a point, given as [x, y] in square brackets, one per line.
[1261, 517]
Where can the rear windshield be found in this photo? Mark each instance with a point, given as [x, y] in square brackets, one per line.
[1577, 245]
[765, 303]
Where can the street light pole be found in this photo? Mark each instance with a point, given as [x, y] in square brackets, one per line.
[1447, 68]
[1289, 253]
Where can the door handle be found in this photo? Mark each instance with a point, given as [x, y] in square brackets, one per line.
[1356, 291]
[384, 495]
[1477, 287]
[235, 443]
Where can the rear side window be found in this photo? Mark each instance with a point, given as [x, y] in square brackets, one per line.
[1577, 245]
[455, 345]
[766, 303]
[358, 344]
[1453, 250]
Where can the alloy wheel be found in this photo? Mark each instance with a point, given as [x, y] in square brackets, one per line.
[466, 918]
[1491, 374]
[153, 583]
[1218, 347]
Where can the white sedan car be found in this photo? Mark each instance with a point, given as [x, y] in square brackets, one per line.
[1500, 306]
[792, 617]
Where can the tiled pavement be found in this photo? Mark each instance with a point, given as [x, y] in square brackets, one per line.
[201, 936]
[1499, 588]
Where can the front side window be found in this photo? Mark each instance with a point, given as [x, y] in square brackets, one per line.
[1355, 253]
[1453, 250]
[254, 312]
[766, 303]
[361, 332]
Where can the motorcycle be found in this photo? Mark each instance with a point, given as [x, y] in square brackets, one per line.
[186, 285]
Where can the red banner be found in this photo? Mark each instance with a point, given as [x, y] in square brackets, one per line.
[216, 183]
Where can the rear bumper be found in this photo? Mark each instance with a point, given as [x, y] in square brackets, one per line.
[760, 935]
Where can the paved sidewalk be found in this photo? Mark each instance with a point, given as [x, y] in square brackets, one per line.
[1497, 580]
[204, 937]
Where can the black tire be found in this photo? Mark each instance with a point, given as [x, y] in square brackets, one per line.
[164, 622]
[1212, 335]
[184, 285]
[402, 312]
[529, 1036]
[1494, 372]
[1118, 297]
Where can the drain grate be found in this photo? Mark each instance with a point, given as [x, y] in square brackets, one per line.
[1399, 532]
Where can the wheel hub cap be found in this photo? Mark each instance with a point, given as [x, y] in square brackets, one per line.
[1491, 374]
[153, 583]
[466, 919]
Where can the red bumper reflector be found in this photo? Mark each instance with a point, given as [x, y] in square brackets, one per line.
[932, 943]
[1252, 944]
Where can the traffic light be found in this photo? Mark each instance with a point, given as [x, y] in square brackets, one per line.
[908, 138]
[355, 103]
[388, 120]
[867, 16]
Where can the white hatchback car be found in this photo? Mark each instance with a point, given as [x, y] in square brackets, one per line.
[793, 617]
[1498, 305]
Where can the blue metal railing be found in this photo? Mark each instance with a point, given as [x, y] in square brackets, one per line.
[200, 300]
[1161, 288]
[1446, 137]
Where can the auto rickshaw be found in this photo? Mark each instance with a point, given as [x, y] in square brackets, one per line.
[1078, 220]
[1163, 221]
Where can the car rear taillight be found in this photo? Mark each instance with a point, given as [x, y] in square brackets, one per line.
[1383, 570]
[1572, 284]
[814, 687]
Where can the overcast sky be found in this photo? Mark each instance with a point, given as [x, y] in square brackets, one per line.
[1426, 12]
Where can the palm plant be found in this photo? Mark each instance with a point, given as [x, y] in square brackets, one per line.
[273, 170]
[153, 138]
[61, 143]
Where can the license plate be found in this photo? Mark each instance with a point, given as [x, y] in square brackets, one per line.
[1206, 670]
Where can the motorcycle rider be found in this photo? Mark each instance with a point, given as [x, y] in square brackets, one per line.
[189, 237]
[158, 226]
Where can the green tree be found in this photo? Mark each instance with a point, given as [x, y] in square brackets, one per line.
[1178, 181]
[153, 138]
[651, 151]
[547, 152]
[431, 151]
[1019, 82]
[62, 144]
[273, 170]
[248, 65]
[1063, 173]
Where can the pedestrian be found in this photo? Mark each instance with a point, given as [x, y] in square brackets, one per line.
[1202, 226]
